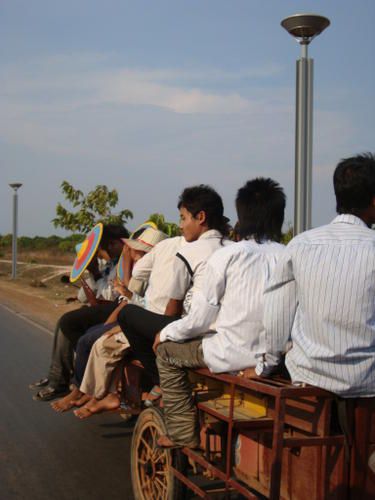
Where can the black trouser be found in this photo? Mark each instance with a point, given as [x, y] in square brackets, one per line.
[75, 323]
[140, 328]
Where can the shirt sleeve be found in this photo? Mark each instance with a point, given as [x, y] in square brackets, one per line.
[182, 278]
[203, 312]
[143, 267]
[280, 305]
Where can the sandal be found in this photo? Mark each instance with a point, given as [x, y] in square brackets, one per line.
[156, 395]
[40, 383]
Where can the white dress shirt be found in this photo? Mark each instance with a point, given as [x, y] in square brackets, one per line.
[322, 295]
[156, 267]
[232, 295]
[190, 263]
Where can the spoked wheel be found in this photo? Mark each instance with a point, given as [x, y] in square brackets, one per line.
[152, 477]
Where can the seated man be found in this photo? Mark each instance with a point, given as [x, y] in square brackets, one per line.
[322, 297]
[135, 249]
[204, 226]
[322, 294]
[74, 323]
[232, 298]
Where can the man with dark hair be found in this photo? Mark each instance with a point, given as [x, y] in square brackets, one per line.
[322, 293]
[204, 226]
[74, 324]
[322, 297]
[227, 311]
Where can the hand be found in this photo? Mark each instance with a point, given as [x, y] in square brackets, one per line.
[156, 343]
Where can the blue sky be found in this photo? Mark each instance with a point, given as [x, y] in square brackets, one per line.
[151, 96]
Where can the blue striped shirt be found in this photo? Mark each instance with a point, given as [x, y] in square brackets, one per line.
[322, 297]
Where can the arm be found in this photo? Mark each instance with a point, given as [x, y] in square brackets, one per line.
[174, 307]
[280, 305]
[114, 314]
[204, 309]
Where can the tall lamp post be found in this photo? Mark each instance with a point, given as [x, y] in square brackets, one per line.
[15, 186]
[304, 28]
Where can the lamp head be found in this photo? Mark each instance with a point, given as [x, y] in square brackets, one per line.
[305, 27]
[15, 185]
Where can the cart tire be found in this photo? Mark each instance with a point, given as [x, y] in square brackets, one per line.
[151, 475]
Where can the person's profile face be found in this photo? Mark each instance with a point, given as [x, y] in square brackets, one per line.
[190, 226]
[136, 254]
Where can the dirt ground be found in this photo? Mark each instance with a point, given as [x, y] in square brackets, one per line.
[37, 292]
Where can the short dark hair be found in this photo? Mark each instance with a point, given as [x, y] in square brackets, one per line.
[204, 198]
[113, 232]
[260, 205]
[354, 183]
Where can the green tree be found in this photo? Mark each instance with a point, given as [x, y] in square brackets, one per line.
[95, 207]
[169, 228]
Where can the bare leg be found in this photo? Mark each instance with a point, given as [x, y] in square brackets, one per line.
[67, 402]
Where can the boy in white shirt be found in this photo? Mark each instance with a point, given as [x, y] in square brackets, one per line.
[231, 298]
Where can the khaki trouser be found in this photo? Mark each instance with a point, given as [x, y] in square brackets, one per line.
[102, 367]
[180, 413]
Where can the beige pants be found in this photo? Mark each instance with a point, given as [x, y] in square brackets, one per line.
[103, 365]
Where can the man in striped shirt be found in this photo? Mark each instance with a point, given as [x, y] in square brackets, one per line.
[227, 310]
[322, 294]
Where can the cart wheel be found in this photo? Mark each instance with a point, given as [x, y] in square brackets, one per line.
[151, 475]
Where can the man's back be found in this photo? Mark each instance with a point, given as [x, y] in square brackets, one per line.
[333, 331]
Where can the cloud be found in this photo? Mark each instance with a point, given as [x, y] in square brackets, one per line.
[79, 81]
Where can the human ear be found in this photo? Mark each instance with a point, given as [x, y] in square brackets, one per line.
[201, 217]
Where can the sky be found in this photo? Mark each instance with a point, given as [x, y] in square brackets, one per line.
[151, 96]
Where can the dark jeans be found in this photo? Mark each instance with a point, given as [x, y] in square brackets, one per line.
[83, 349]
[140, 328]
[75, 323]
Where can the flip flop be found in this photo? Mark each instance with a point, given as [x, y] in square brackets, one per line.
[157, 395]
[40, 383]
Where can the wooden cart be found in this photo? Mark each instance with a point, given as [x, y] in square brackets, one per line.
[260, 438]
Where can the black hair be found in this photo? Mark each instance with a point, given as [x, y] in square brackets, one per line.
[204, 198]
[354, 183]
[260, 205]
[113, 232]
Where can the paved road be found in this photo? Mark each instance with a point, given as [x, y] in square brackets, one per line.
[44, 455]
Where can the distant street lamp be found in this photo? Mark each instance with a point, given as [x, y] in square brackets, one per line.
[15, 186]
[304, 28]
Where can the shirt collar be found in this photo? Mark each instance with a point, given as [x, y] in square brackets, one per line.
[211, 233]
[348, 219]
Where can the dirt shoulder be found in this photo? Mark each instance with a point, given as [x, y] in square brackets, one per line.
[37, 293]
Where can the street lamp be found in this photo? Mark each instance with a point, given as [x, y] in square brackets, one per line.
[15, 186]
[304, 28]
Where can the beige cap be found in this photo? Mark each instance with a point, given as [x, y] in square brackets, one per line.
[146, 240]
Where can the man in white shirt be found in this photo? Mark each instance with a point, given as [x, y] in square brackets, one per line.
[322, 294]
[322, 297]
[204, 226]
[231, 298]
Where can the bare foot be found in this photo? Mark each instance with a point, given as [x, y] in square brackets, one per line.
[67, 402]
[165, 442]
[110, 402]
[85, 398]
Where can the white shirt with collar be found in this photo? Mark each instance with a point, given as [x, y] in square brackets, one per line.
[322, 296]
[156, 267]
[190, 263]
[232, 296]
